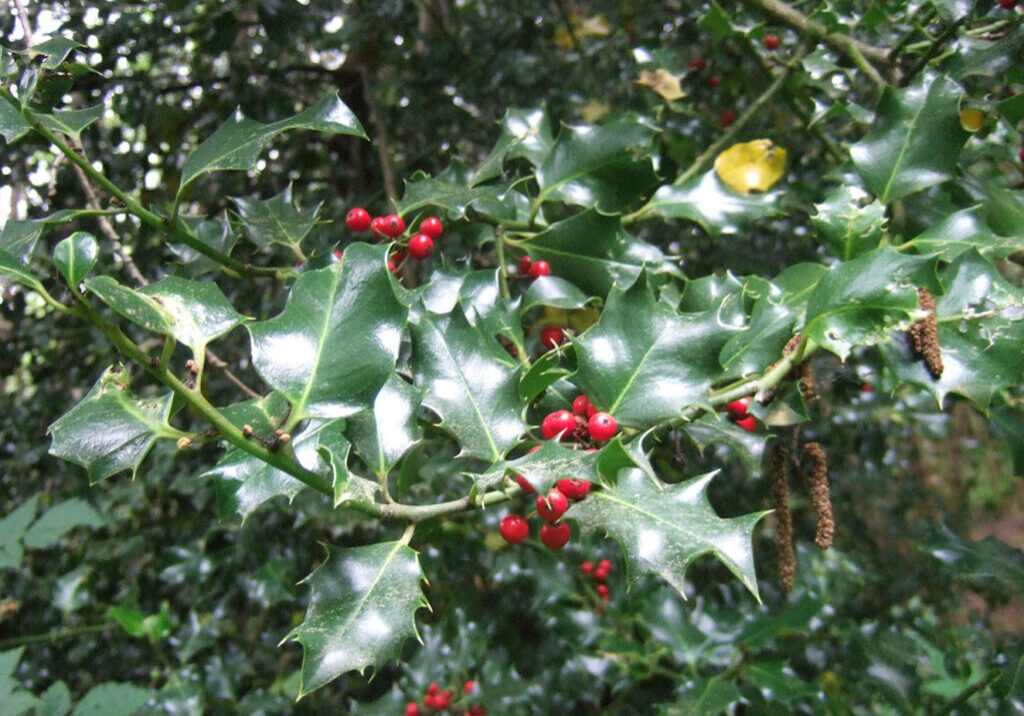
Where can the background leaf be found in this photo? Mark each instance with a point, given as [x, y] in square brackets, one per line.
[75, 256]
[276, 220]
[709, 203]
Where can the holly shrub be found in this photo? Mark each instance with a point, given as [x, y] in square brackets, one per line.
[303, 302]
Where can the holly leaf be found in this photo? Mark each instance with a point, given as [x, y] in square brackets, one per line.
[337, 340]
[16, 700]
[487, 309]
[664, 528]
[706, 201]
[362, 609]
[455, 198]
[598, 167]
[110, 429]
[56, 50]
[541, 375]
[238, 143]
[71, 121]
[215, 234]
[848, 225]
[244, 482]
[112, 699]
[10, 266]
[276, 220]
[75, 256]
[59, 520]
[760, 343]
[13, 126]
[964, 230]
[556, 292]
[469, 381]
[647, 371]
[381, 436]
[12, 528]
[19, 236]
[860, 302]
[914, 141]
[593, 252]
[713, 429]
[525, 133]
[545, 467]
[981, 333]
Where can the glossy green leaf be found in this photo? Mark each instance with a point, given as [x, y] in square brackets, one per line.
[10, 266]
[112, 699]
[593, 252]
[542, 374]
[275, 220]
[470, 382]
[362, 609]
[664, 528]
[453, 197]
[645, 363]
[778, 682]
[71, 121]
[264, 415]
[12, 125]
[140, 309]
[215, 234]
[75, 256]
[964, 230]
[713, 429]
[381, 436]
[19, 236]
[238, 143]
[556, 292]
[981, 56]
[860, 302]
[337, 340]
[59, 520]
[709, 203]
[760, 343]
[110, 429]
[847, 224]
[707, 292]
[603, 168]
[55, 49]
[244, 482]
[545, 467]
[1012, 109]
[981, 334]
[915, 139]
[705, 697]
[525, 133]
[487, 309]
[988, 566]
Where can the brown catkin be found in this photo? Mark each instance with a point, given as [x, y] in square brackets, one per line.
[816, 471]
[805, 382]
[783, 517]
[924, 335]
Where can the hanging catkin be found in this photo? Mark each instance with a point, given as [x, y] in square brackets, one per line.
[924, 335]
[783, 519]
[816, 471]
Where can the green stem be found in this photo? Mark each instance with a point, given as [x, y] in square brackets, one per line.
[775, 374]
[165, 356]
[499, 249]
[55, 635]
[931, 52]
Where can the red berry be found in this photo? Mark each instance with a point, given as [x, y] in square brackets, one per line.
[421, 246]
[560, 421]
[697, 63]
[1007, 4]
[554, 535]
[357, 219]
[1022, 155]
[605, 598]
[377, 226]
[714, 81]
[866, 388]
[538, 269]
[468, 686]
[393, 226]
[442, 699]
[432, 689]
[552, 507]
[582, 406]
[524, 484]
[737, 409]
[772, 42]
[524, 265]
[574, 488]
[727, 117]
[514, 528]
[398, 257]
[748, 423]
[601, 573]
[601, 426]
[431, 226]
[587, 567]
[477, 711]
[605, 564]
[337, 254]
[412, 709]
[552, 337]
[602, 590]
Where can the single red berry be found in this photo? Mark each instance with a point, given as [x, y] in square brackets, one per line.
[772, 42]
[524, 265]
[468, 686]
[412, 709]
[477, 711]
[605, 564]
[553, 506]
[554, 535]
[430, 701]
[574, 488]
[432, 689]
[737, 409]
[394, 269]
[727, 117]
[866, 388]
[377, 226]
[431, 226]
[442, 699]
[560, 421]
[358, 219]
[337, 254]
[398, 257]
[601, 574]
[697, 63]
[1007, 4]
[587, 567]
[714, 81]
[538, 269]
[604, 597]
[748, 423]
[552, 337]
[421, 246]
[524, 484]
[393, 226]
[581, 406]
[514, 528]
[602, 590]
[601, 426]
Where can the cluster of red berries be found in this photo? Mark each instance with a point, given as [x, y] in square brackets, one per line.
[533, 269]
[771, 42]
[737, 411]
[600, 572]
[1009, 5]
[585, 421]
[438, 700]
[419, 246]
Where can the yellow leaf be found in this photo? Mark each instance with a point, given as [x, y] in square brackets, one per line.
[563, 39]
[596, 26]
[594, 110]
[751, 166]
[555, 316]
[663, 82]
[972, 119]
[583, 318]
